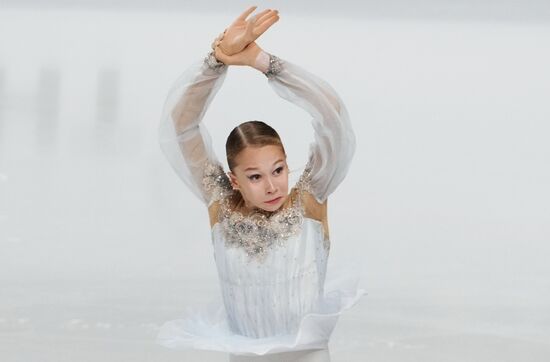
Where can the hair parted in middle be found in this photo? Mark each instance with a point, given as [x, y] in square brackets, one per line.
[250, 134]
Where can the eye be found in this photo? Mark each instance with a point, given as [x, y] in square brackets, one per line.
[278, 170]
[254, 177]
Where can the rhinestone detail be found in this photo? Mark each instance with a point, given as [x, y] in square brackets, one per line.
[275, 66]
[259, 231]
[215, 182]
[213, 63]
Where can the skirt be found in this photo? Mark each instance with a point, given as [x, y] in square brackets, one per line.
[206, 327]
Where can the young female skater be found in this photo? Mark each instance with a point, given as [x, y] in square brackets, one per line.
[270, 243]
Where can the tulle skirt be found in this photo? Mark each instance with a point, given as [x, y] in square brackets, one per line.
[206, 327]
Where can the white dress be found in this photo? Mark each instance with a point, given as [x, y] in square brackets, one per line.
[277, 294]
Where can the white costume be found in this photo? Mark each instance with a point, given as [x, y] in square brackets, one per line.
[276, 293]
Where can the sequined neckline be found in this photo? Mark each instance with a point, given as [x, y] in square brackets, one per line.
[218, 223]
[257, 232]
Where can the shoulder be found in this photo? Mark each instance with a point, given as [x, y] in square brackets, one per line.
[213, 213]
[215, 182]
[313, 208]
[217, 187]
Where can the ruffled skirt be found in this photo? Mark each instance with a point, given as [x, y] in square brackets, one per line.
[206, 327]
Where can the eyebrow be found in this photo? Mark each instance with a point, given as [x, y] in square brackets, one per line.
[255, 168]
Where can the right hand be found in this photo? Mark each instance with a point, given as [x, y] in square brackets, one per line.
[243, 32]
[246, 57]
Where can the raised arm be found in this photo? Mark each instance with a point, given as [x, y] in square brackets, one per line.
[334, 140]
[183, 138]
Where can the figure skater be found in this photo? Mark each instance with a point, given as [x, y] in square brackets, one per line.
[271, 244]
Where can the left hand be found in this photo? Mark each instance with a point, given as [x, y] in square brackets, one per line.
[243, 32]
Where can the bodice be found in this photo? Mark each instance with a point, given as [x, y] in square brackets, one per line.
[268, 295]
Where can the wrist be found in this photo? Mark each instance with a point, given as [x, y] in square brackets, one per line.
[212, 62]
[261, 61]
[269, 64]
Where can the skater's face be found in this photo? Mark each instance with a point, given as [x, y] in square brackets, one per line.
[261, 175]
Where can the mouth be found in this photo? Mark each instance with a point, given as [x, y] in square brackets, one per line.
[274, 201]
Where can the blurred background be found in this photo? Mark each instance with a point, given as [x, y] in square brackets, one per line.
[446, 205]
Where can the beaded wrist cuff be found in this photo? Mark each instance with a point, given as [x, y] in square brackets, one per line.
[275, 66]
[213, 63]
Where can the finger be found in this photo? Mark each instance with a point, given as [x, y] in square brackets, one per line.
[260, 14]
[220, 55]
[246, 13]
[214, 42]
[266, 21]
[260, 29]
[250, 25]
[217, 40]
[267, 15]
[255, 20]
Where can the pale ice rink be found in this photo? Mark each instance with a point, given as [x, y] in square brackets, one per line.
[446, 204]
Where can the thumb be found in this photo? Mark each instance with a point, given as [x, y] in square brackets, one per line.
[220, 55]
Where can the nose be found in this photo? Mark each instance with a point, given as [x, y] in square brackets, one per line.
[270, 187]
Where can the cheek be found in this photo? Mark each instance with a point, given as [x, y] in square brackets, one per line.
[254, 189]
[283, 182]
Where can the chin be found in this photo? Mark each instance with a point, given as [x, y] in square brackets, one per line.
[271, 207]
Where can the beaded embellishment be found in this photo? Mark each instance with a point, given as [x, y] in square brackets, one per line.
[213, 63]
[215, 182]
[275, 66]
[260, 231]
[257, 233]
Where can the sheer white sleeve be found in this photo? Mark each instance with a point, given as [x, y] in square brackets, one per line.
[183, 138]
[334, 140]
